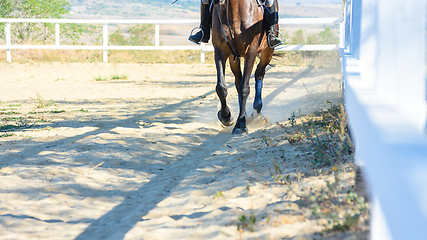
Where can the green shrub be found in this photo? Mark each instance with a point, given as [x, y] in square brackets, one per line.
[39, 32]
[316, 58]
[140, 35]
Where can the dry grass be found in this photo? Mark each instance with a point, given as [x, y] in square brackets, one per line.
[315, 58]
[325, 59]
[46, 55]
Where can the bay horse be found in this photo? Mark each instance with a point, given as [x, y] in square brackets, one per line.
[238, 31]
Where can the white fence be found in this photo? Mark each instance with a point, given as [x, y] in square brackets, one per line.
[105, 47]
[385, 93]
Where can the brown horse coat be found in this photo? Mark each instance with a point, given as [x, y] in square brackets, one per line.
[244, 29]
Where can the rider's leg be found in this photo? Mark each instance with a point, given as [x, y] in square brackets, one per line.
[271, 18]
[205, 24]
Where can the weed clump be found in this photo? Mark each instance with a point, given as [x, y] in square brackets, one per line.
[7, 135]
[100, 78]
[327, 133]
[42, 103]
[29, 120]
[218, 194]
[334, 209]
[246, 222]
[117, 76]
[324, 142]
[114, 76]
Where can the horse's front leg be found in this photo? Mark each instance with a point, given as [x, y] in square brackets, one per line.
[244, 90]
[224, 115]
[237, 72]
[266, 56]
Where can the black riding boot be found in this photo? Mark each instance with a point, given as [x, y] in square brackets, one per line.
[271, 17]
[205, 26]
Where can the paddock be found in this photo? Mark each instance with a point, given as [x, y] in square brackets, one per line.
[144, 157]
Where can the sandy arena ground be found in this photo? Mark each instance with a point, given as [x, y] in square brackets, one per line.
[145, 158]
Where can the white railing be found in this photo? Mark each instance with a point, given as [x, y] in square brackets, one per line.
[105, 46]
[385, 94]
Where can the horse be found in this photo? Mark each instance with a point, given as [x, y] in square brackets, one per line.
[238, 31]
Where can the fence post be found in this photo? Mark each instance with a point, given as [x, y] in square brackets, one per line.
[105, 35]
[8, 43]
[58, 41]
[157, 36]
[202, 53]
[342, 34]
[348, 6]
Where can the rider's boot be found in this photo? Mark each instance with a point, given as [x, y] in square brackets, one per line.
[205, 26]
[271, 17]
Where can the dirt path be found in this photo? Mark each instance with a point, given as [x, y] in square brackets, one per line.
[144, 157]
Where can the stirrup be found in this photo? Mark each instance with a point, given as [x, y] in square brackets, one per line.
[269, 44]
[191, 34]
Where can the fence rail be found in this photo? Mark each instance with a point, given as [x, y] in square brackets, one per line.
[105, 46]
[384, 80]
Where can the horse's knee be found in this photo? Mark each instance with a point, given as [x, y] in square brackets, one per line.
[244, 91]
[221, 90]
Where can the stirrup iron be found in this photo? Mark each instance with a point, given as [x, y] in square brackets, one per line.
[280, 37]
[203, 34]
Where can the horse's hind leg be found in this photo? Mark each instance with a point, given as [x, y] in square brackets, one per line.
[224, 115]
[266, 56]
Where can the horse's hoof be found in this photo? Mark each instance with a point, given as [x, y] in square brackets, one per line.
[258, 104]
[226, 121]
[258, 107]
[240, 131]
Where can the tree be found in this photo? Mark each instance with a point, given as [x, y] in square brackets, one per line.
[53, 9]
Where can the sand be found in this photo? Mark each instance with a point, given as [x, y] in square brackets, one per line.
[145, 157]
